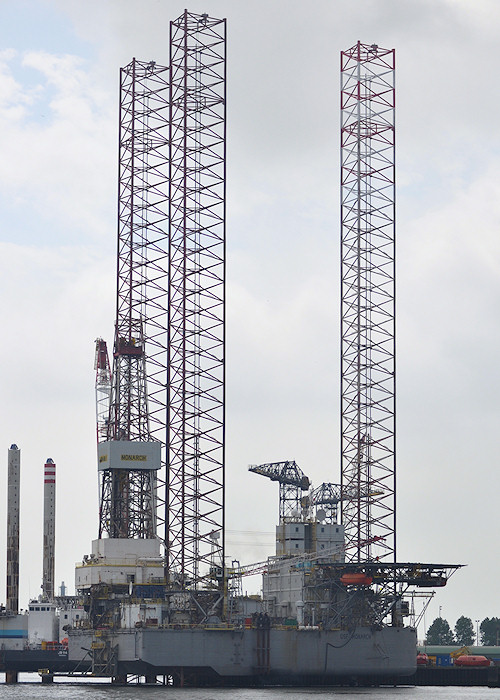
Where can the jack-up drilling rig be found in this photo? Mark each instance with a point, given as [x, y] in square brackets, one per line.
[155, 586]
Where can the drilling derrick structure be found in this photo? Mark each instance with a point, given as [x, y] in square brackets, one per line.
[196, 300]
[137, 404]
[368, 301]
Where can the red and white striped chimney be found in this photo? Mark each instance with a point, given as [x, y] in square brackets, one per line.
[49, 529]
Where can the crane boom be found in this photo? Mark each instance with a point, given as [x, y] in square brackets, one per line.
[273, 563]
[103, 383]
[287, 473]
[332, 494]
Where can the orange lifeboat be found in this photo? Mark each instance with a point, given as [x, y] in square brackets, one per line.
[356, 579]
[472, 660]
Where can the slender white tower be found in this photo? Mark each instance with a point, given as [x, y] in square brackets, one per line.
[13, 478]
[49, 529]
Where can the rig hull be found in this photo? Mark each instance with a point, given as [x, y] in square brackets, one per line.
[239, 656]
[31, 660]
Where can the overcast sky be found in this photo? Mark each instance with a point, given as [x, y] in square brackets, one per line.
[59, 64]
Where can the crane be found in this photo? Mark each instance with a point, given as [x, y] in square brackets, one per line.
[103, 383]
[292, 481]
[330, 495]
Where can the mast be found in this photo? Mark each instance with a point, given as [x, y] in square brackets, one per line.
[196, 298]
[368, 362]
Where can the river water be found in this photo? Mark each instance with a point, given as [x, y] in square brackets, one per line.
[60, 690]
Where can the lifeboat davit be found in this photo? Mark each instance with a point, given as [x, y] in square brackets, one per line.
[356, 579]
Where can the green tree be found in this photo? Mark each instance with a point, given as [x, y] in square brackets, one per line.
[490, 631]
[440, 633]
[464, 631]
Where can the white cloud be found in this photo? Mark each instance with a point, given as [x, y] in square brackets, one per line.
[57, 141]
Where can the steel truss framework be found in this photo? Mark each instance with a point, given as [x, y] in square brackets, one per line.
[138, 405]
[196, 298]
[368, 301]
[340, 603]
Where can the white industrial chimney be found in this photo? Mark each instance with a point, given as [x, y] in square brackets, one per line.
[13, 500]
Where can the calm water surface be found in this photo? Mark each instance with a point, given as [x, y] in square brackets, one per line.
[30, 687]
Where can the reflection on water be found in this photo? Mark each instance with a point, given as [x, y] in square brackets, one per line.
[30, 688]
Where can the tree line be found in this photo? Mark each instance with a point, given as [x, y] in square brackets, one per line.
[464, 634]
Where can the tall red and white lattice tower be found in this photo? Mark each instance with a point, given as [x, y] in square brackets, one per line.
[196, 298]
[368, 469]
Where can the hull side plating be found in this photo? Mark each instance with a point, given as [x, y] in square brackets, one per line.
[289, 654]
